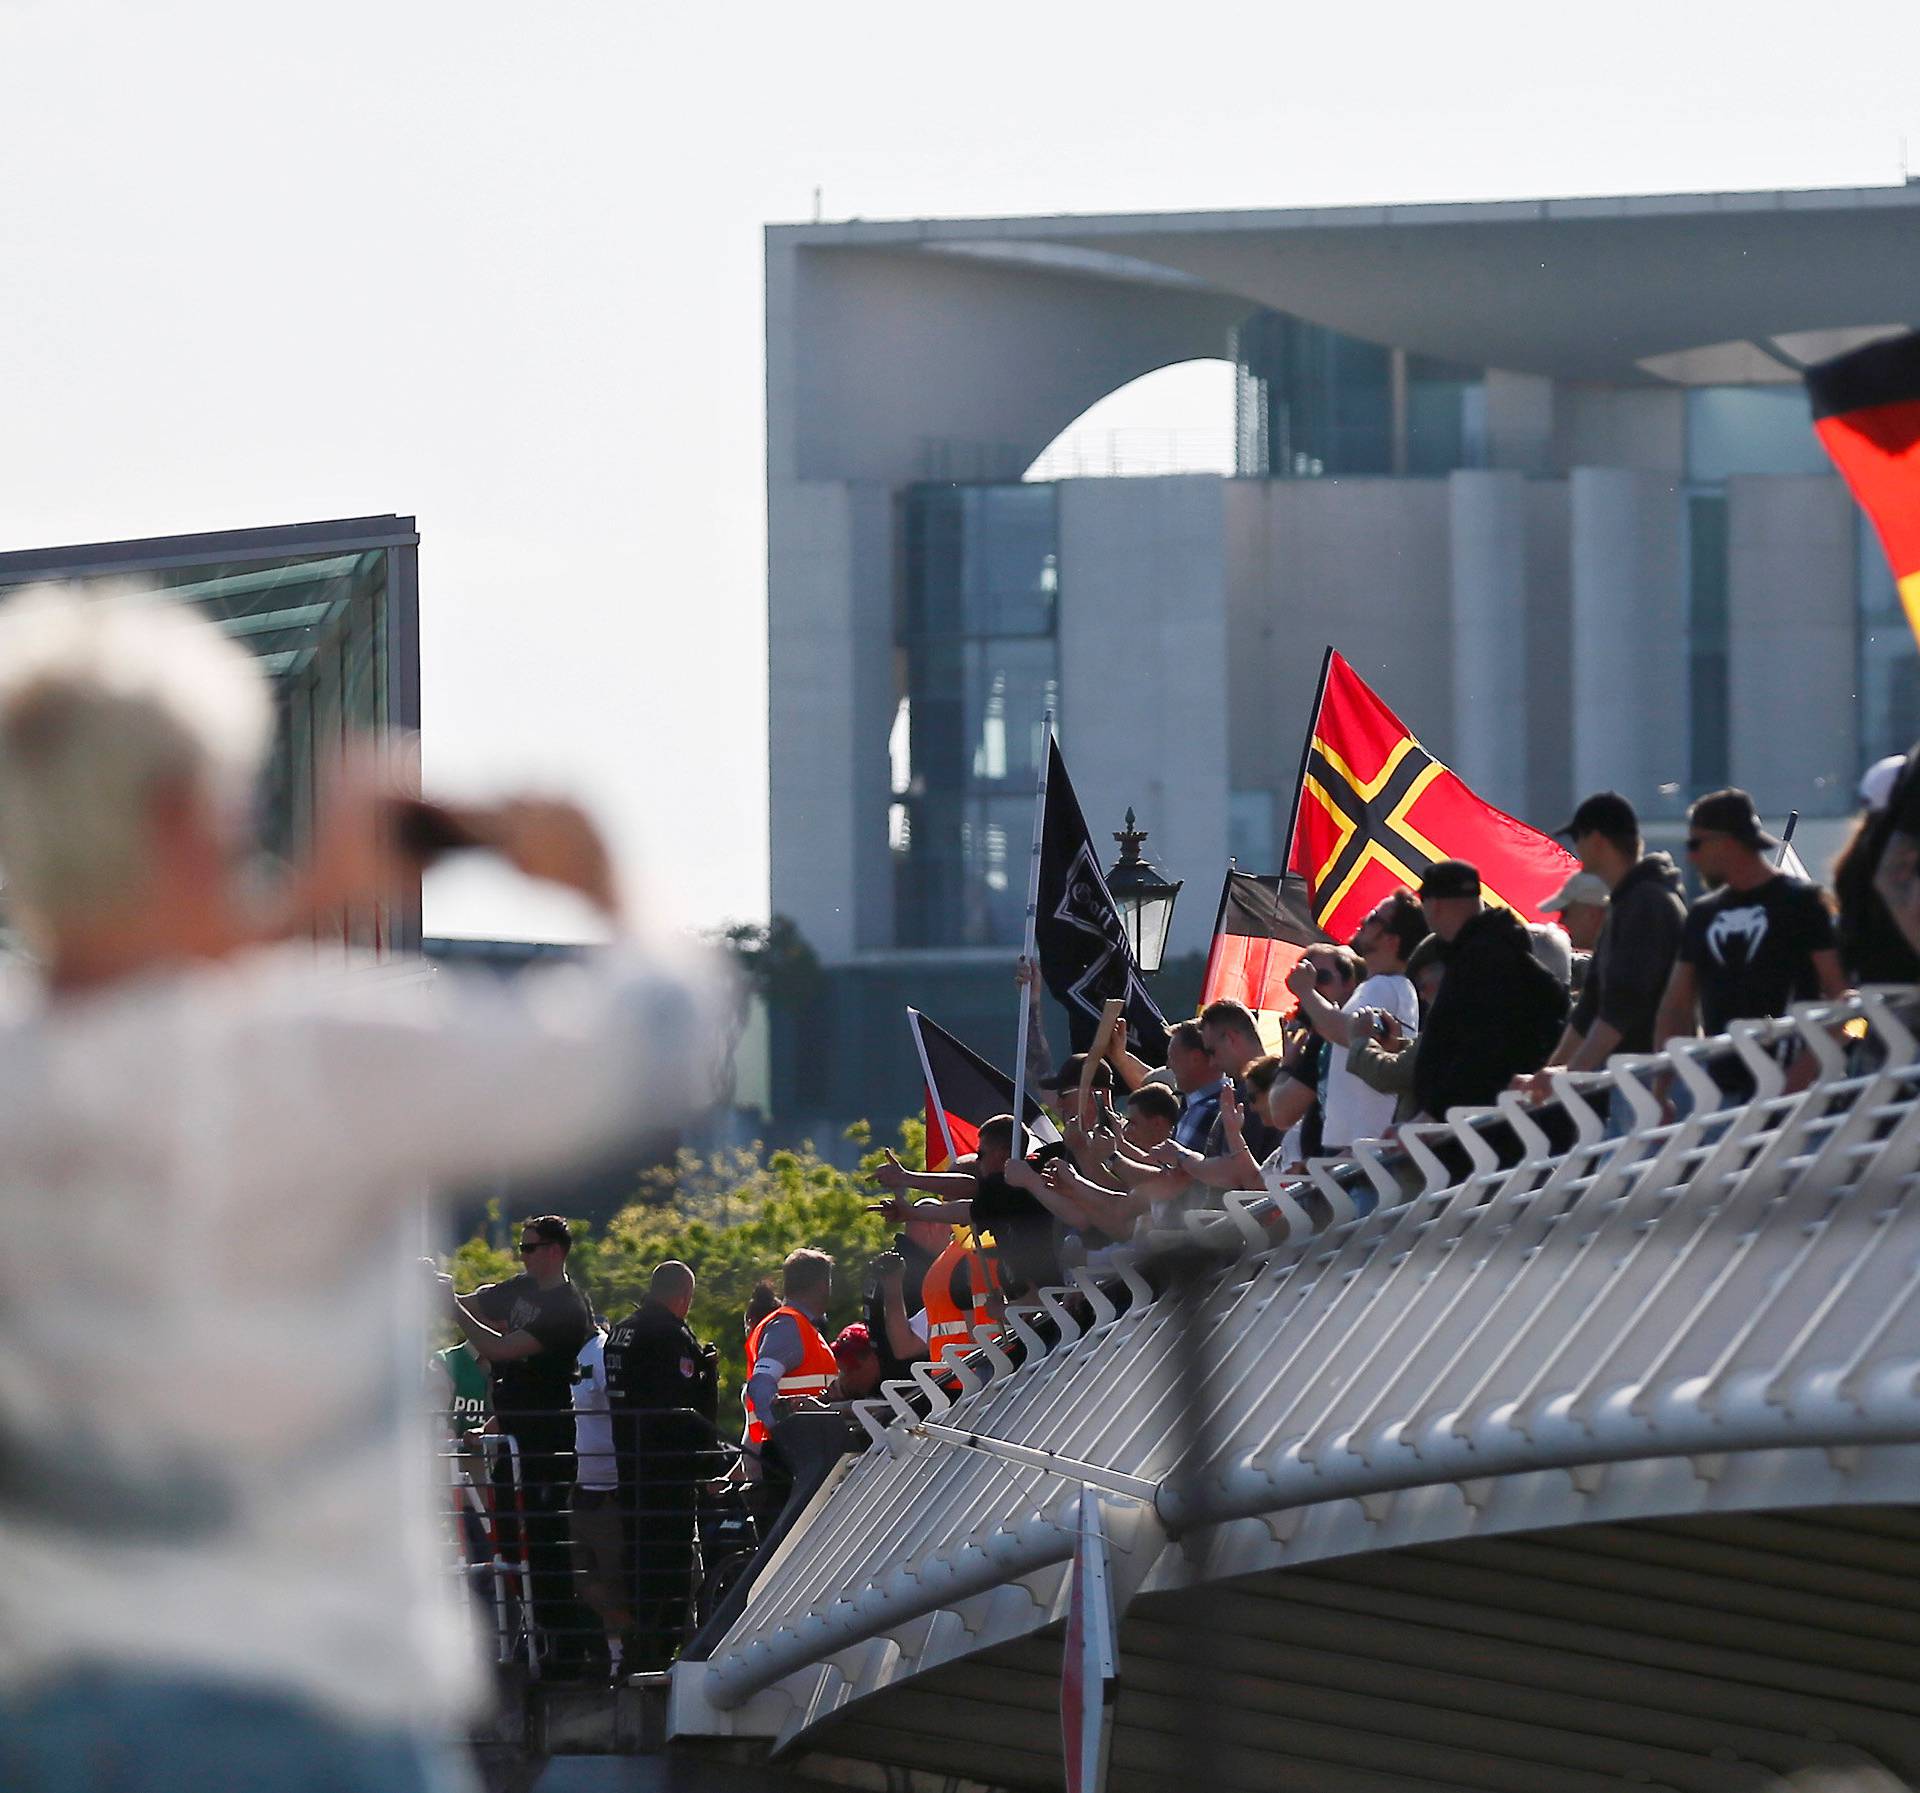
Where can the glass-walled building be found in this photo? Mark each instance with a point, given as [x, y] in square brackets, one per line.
[979, 654]
[1543, 471]
[330, 610]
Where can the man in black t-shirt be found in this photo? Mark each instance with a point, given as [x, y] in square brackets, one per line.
[529, 1330]
[1759, 943]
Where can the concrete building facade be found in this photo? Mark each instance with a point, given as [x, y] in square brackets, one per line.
[1542, 471]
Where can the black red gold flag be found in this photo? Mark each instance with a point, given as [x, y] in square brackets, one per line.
[967, 1090]
[1078, 934]
[1375, 809]
[1266, 923]
[1866, 412]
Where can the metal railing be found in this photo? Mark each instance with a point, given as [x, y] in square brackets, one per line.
[557, 1568]
[1684, 1253]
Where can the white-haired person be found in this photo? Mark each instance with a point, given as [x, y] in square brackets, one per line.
[220, 1567]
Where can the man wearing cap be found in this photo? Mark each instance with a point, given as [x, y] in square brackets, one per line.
[1581, 904]
[1498, 1010]
[1639, 936]
[1759, 942]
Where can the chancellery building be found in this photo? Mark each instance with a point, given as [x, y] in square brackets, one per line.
[1541, 470]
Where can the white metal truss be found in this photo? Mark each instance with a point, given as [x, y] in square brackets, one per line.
[1718, 1314]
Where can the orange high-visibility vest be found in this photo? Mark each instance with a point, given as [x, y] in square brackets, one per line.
[817, 1367]
[949, 1325]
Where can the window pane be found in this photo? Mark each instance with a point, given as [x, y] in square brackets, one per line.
[1889, 664]
[1751, 429]
[1707, 638]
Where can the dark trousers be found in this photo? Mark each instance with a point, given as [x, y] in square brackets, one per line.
[546, 1496]
[663, 1558]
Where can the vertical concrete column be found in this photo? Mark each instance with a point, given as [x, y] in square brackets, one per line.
[829, 709]
[1143, 673]
[1629, 604]
[1791, 628]
[1519, 421]
[1487, 552]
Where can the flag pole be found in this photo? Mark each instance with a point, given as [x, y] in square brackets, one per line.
[933, 1089]
[1219, 920]
[1306, 752]
[1031, 950]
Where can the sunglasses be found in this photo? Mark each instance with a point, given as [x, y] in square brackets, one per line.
[532, 1245]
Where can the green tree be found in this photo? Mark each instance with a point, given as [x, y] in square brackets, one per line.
[733, 1218]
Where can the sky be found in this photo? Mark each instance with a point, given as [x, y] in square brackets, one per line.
[498, 266]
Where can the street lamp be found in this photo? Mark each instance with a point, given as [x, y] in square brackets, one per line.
[1144, 899]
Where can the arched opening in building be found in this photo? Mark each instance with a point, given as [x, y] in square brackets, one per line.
[1177, 419]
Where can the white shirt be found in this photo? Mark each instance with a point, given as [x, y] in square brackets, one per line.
[596, 1465]
[211, 1461]
[1353, 1110]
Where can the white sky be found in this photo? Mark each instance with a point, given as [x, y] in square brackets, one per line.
[498, 265]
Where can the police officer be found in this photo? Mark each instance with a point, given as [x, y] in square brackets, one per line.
[658, 1377]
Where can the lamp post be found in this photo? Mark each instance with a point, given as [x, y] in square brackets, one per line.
[1143, 897]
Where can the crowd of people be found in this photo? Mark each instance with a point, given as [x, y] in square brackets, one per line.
[588, 1455]
[218, 1135]
[1442, 1000]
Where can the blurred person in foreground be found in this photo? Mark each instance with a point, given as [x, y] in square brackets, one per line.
[221, 1568]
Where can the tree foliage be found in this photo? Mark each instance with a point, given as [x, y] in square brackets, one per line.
[733, 1218]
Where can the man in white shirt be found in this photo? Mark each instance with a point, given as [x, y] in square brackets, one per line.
[1391, 931]
[221, 1568]
[600, 1557]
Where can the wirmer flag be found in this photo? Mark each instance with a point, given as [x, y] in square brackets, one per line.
[1375, 809]
[967, 1091]
[1866, 412]
[1077, 931]
[1265, 924]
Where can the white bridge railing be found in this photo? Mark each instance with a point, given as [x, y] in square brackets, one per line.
[1512, 1291]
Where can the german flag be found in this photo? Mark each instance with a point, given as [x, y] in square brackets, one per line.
[1265, 924]
[967, 1091]
[1375, 809]
[1866, 412]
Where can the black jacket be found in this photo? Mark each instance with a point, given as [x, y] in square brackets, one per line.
[1634, 955]
[1499, 1012]
[656, 1369]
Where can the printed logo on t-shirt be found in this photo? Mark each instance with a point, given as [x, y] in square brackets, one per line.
[1746, 927]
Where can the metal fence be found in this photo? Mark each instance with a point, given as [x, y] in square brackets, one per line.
[558, 1569]
[1712, 1250]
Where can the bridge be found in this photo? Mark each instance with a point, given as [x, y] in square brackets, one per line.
[1527, 1452]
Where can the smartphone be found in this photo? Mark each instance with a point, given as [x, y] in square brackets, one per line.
[424, 832]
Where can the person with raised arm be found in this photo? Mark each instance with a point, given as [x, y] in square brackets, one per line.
[218, 1563]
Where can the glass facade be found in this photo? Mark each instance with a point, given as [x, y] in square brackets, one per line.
[1707, 571]
[1311, 403]
[1769, 430]
[1889, 666]
[330, 612]
[979, 661]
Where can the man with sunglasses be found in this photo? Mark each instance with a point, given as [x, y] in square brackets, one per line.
[1757, 943]
[529, 1331]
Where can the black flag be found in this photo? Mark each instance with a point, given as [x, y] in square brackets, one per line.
[1084, 955]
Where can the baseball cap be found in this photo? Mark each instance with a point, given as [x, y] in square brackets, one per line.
[1450, 878]
[1731, 812]
[1582, 887]
[1877, 782]
[1605, 812]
